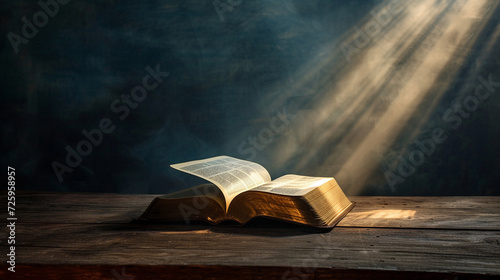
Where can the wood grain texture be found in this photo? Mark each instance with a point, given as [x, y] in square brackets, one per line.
[419, 237]
[194, 272]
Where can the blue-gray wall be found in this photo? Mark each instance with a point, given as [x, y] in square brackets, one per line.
[243, 70]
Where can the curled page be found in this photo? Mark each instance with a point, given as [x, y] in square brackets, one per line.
[233, 176]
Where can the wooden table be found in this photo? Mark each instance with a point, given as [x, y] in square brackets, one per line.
[90, 236]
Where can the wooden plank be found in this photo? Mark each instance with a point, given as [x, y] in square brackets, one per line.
[343, 248]
[420, 237]
[111, 272]
[398, 212]
[425, 212]
[142, 272]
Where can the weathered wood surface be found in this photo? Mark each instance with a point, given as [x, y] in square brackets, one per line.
[92, 237]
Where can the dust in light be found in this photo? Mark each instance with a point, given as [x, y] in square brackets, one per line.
[370, 99]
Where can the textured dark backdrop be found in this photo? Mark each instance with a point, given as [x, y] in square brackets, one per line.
[231, 72]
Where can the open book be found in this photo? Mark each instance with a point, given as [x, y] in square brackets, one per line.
[242, 190]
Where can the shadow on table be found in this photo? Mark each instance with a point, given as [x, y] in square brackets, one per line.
[259, 226]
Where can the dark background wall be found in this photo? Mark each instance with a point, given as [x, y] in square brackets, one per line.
[284, 73]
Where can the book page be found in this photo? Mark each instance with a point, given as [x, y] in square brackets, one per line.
[233, 176]
[292, 185]
[205, 190]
